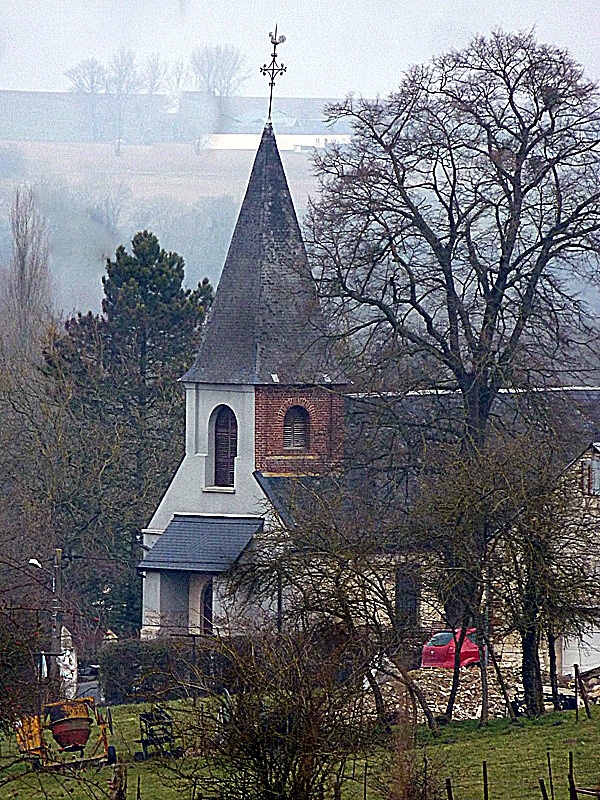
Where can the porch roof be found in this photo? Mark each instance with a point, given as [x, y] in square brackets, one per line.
[198, 543]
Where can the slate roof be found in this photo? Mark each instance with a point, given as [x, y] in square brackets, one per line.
[410, 428]
[195, 543]
[286, 493]
[266, 320]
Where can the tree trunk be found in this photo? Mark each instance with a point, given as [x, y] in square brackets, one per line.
[532, 680]
[377, 697]
[477, 402]
[416, 690]
[118, 783]
[552, 664]
[455, 674]
[485, 699]
[501, 681]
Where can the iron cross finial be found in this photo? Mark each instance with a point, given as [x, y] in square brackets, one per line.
[273, 69]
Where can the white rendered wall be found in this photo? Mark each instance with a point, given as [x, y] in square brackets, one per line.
[190, 492]
[585, 652]
[150, 603]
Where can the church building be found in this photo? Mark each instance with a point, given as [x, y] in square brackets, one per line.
[265, 410]
[262, 404]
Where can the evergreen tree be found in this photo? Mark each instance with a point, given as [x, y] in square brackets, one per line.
[114, 378]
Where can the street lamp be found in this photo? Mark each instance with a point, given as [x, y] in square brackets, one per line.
[55, 640]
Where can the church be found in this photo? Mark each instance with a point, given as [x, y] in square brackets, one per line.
[266, 405]
[265, 408]
[263, 405]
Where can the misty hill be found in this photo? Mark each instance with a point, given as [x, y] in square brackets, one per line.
[94, 200]
[97, 188]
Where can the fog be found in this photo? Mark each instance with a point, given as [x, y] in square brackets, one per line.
[333, 47]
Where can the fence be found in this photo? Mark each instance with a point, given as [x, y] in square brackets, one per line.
[547, 791]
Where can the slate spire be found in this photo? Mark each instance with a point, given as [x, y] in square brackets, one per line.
[265, 320]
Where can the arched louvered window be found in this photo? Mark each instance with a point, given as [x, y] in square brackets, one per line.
[296, 424]
[225, 446]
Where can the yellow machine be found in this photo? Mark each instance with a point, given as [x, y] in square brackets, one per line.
[70, 723]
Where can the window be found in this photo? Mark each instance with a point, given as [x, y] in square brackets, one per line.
[207, 607]
[440, 639]
[591, 477]
[225, 447]
[296, 425]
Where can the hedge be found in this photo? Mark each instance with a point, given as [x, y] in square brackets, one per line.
[134, 670]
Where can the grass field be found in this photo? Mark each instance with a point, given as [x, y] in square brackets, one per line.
[516, 756]
[175, 170]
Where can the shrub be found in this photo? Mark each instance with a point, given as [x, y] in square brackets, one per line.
[134, 670]
[19, 650]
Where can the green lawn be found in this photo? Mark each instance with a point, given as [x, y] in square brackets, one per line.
[516, 757]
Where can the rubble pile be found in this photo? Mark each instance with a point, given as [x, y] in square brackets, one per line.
[593, 689]
[436, 685]
[591, 679]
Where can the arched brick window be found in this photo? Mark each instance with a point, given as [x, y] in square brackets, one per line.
[296, 428]
[225, 446]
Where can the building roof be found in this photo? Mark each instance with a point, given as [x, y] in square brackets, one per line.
[265, 325]
[288, 494]
[196, 543]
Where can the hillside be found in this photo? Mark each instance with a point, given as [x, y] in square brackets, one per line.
[94, 200]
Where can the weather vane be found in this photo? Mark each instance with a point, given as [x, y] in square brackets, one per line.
[273, 69]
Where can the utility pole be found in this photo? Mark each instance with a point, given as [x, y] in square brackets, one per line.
[55, 644]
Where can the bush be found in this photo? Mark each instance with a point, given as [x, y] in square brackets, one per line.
[134, 670]
[19, 651]
[407, 772]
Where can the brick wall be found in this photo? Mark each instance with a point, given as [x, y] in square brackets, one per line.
[325, 447]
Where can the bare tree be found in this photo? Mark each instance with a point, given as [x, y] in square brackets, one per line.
[544, 577]
[455, 227]
[89, 78]
[122, 75]
[122, 79]
[178, 76]
[452, 234]
[219, 70]
[285, 717]
[342, 557]
[108, 206]
[534, 570]
[155, 74]
[25, 297]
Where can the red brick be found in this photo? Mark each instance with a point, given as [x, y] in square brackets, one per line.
[326, 432]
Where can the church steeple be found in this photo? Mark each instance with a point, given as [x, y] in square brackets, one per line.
[262, 407]
[265, 325]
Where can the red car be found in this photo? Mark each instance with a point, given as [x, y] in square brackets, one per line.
[439, 650]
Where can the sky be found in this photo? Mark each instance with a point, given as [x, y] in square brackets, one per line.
[333, 47]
